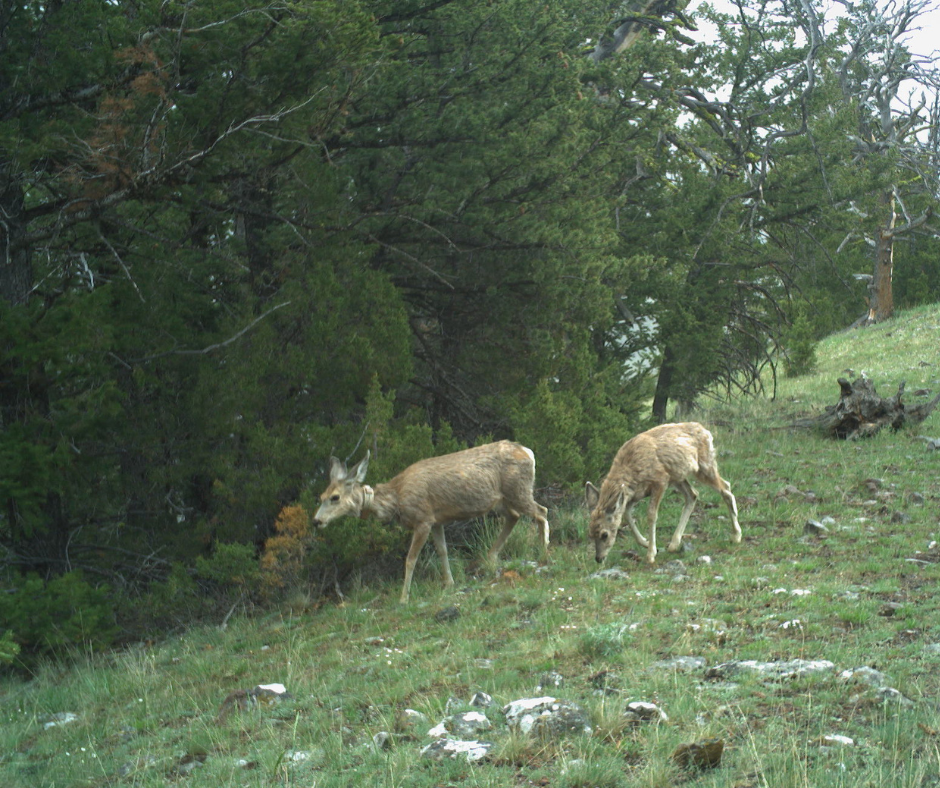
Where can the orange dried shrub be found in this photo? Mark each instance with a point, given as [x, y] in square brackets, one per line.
[283, 556]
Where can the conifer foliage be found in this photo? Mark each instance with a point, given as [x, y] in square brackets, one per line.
[238, 237]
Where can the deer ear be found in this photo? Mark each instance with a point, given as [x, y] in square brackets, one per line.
[359, 471]
[337, 470]
[591, 495]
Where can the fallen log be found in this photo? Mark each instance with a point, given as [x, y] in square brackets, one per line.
[861, 413]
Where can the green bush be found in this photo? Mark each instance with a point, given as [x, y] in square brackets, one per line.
[230, 566]
[46, 616]
[800, 358]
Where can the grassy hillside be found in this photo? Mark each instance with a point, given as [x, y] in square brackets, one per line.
[865, 594]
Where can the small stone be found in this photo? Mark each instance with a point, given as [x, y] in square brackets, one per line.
[59, 718]
[481, 700]
[701, 755]
[891, 695]
[382, 740]
[680, 664]
[864, 674]
[641, 711]
[549, 680]
[451, 613]
[473, 751]
[613, 573]
[815, 528]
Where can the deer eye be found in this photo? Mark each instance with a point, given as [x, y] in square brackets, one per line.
[604, 536]
[334, 498]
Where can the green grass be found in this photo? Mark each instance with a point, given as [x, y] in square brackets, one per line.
[147, 713]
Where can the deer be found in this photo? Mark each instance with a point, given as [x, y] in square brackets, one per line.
[646, 466]
[436, 491]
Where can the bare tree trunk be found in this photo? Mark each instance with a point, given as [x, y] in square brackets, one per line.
[881, 302]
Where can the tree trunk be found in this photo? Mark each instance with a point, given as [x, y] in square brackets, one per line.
[663, 386]
[881, 301]
[16, 272]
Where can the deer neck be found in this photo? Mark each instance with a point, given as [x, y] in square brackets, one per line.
[379, 501]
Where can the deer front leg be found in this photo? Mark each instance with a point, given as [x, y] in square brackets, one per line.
[651, 513]
[440, 543]
[418, 538]
[628, 516]
[688, 491]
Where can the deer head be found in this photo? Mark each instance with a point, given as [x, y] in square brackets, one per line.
[346, 493]
[605, 519]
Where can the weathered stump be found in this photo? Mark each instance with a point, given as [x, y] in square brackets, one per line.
[860, 412]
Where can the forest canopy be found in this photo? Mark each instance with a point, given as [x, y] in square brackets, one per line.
[241, 236]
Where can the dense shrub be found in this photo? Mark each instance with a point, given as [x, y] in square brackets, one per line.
[47, 616]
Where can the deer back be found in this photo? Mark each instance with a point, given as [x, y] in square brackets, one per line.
[464, 484]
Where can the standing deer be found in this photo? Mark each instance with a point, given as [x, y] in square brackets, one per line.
[647, 465]
[439, 490]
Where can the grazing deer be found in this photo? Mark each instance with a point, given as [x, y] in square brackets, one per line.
[436, 491]
[645, 466]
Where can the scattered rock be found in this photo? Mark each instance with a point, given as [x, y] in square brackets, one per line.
[865, 675]
[409, 720]
[187, 763]
[451, 613]
[463, 725]
[59, 718]
[549, 680]
[889, 609]
[833, 740]
[605, 682]
[815, 528]
[640, 711]
[546, 717]
[680, 664]
[771, 671]
[613, 573]
[676, 568]
[382, 741]
[481, 700]
[441, 749]
[701, 755]
[891, 695]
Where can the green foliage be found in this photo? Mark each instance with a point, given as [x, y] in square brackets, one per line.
[800, 347]
[234, 565]
[408, 228]
[64, 612]
[9, 648]
[551, 424]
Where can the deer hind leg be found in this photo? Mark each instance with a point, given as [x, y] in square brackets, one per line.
[714, 480]
[440, 543]
[656, 496]
[540, 514]
[509, 522]
[418, 538]
[628, 516]
[725, 490]
[688, 491]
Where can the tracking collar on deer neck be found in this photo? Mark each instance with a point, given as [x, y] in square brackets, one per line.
[368, 496]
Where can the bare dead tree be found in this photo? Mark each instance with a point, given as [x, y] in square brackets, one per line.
[896, 92]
